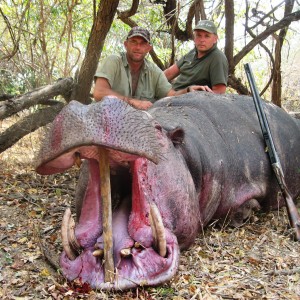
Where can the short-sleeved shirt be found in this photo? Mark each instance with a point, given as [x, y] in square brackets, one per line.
[152, 84]
[209, 70]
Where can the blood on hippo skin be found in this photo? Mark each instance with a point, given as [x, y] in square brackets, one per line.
[184, 163]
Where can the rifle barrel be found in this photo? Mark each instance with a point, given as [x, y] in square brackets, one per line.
[292, 211]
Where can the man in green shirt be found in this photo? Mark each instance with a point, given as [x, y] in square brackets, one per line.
[130, 76]
[203, 68]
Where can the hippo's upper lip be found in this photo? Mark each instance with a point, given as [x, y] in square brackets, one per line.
[97, 124]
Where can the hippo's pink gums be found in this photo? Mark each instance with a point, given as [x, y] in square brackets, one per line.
[185, 162]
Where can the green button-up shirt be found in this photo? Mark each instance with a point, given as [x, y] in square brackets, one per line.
[152, 84]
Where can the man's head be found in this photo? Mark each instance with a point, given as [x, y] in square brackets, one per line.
[207, 26]
[137, 44]
[139, 31]
[205, 36]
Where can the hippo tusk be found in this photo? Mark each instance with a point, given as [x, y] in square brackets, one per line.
[158, 230]
[106, 214]
[71, 236]
[67, 233]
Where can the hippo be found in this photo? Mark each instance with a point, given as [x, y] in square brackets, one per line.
[187, 161]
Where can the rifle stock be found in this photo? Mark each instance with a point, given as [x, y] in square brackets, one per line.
[292, 211]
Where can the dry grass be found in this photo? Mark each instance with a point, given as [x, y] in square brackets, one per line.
[256, 261]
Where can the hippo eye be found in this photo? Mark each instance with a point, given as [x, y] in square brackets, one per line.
[158, 127]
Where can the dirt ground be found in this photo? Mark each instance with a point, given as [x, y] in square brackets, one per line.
[256, 261]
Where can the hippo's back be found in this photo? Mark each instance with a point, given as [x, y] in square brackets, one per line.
[222, 136]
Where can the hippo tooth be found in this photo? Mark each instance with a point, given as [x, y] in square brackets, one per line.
[125, 252]
[158, 230]
[98, 253]
[66, 234]
[138, 245]
[78, 161]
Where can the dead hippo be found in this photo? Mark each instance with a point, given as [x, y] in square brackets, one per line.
[188, 160]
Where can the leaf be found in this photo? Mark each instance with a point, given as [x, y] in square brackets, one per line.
[22, 240]
[45, 273]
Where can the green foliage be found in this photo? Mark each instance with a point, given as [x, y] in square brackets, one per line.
[52, 37]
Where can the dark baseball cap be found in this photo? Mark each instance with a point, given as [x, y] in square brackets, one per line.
[139, 31]
[206, 25]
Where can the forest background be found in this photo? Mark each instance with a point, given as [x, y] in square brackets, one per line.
[49, 51]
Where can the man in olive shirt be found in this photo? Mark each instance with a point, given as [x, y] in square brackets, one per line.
[203, 68]
[130, 76]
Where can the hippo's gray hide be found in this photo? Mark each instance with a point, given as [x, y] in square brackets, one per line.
[190, 159]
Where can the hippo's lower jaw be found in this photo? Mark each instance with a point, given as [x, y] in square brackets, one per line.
[142, 267]
[139, 258]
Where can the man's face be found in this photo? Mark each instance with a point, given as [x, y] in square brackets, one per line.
[137, 48]
[204, 40]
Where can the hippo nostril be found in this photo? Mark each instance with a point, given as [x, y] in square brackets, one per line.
[158, 230]
[69, 241]
[158, 127]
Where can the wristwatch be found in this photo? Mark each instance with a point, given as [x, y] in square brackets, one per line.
[188, 89]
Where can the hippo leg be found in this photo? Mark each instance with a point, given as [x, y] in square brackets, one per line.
[244, 212]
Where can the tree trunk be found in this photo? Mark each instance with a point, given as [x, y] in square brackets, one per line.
[104, 18]
[277, 82]
[229, 33]
[28, 124]
[38, 96]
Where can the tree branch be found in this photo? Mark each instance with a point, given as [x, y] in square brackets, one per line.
[123, 15]
[236, 84]
[28, 124]
[38, 96]
[281, 24]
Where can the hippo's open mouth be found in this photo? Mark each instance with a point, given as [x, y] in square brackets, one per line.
[145, 252]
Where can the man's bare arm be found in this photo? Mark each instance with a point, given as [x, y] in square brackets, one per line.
[216, 89]
[172, 72]
[102, 88]
[219, 88]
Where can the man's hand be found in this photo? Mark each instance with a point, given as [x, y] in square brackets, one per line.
[216, 89]
[140, 104]
[205, 88]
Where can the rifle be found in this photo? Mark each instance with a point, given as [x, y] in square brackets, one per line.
[292, 211]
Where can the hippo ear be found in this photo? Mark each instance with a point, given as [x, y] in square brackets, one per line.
[176, 135]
